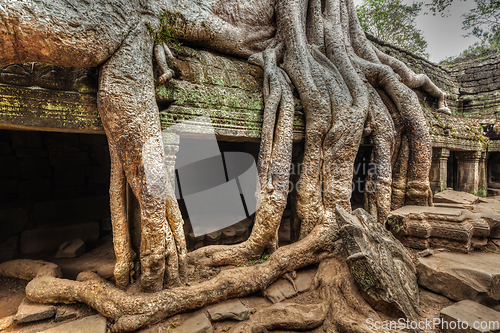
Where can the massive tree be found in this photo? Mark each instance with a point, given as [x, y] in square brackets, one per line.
[348, 88]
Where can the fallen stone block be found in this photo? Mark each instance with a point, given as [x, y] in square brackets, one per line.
[471, 317]
[304, 279]
[29, 312]
[453, 229]
[279, 291]
[71, 249]
[196, 324]
[458, 276]
[49, 239]
[94, 324]
[232, 309]
[494, 222]
[65, 312]
[455, 197]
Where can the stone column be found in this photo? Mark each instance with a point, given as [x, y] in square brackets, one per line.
[439, 169]
[483, 175]
[468, 171]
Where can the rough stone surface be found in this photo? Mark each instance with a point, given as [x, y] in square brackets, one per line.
[455, 197]
[232, 309]
[94, 324]
[494, 222]
[479, 86]
[304, 279]
[458, 276]
[438, 227]
[472, 314]
[369, 246]
[28, 312]
[279, 291]
[49, 239]
[196, 324]
[65, 312]
[71, 249]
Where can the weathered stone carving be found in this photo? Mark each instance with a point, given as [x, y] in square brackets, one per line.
[439, 227]
[380, 264]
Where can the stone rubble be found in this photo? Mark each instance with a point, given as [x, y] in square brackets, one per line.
[91, 324]
[71, 249]
[471, 317]
[279, 291]
[232, 309]
[196, 324]
[458, 276]
[29, 312]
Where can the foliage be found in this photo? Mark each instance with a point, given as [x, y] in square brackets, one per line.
[482, 22]
[171, 25]
[393, 22]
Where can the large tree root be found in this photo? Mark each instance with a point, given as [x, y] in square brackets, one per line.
[341, 308]
[335, 70]
[273, 165]
[349, 311]
[132, 312]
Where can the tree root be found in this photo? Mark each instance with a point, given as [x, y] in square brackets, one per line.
[349, 312]
[342, 308]
[131, 312]
[273, 165]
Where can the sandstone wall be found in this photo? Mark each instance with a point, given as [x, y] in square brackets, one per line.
[479, 82]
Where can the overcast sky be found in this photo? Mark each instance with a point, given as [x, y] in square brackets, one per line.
[444, 34]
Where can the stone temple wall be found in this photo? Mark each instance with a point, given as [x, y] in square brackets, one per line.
[479, 81]
[473, 86]
[62, 172]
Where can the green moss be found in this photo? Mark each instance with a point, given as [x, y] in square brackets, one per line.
[28, 276]
[481, 193]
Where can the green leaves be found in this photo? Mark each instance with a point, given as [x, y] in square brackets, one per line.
[393, 21]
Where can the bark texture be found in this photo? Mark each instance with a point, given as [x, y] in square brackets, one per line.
[347, 88]
[113, 35]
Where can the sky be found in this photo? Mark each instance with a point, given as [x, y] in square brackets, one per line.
[444, 35]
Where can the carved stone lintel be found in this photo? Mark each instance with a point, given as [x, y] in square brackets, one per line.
[457, 230]
[380, 264]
